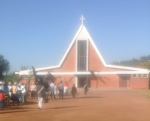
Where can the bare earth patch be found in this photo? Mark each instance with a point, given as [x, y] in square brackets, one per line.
[97, 105]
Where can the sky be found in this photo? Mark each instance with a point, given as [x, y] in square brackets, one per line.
[38, 32]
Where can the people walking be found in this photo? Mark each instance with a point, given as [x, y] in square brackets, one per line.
[40, 93]
[61, 90]
[52, 89]
[73, 91]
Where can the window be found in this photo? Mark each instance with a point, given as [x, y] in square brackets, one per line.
[82, 55]
[145, 75]
[140, 75]
[134, 76]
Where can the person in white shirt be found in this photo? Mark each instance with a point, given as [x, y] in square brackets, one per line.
[52, 89]
[1, 86]
[9, 89]
[23, 93]
[32, 90]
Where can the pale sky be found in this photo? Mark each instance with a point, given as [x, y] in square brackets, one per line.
[38, 33]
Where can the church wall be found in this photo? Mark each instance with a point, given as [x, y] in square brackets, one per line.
[23, 81]
[95, 63]
[69, 64]
[139, 83]
[70, 79]
[124, 80]
[104, 81]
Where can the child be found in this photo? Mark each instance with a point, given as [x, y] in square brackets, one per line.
[1, 98]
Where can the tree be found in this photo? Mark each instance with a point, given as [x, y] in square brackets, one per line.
[4, 66]
[142, 62]
[11, 77]
[22, 68]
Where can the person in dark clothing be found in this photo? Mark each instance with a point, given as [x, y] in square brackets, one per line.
[74, 91]
[61, 90]
[40, 94]
[46, 90]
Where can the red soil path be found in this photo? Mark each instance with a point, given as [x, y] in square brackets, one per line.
[97, 105]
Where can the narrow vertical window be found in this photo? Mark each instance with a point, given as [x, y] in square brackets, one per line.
[82, 55]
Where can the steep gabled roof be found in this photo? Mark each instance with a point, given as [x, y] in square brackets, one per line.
[96, 49]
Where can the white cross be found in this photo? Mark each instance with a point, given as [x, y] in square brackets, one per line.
[82, 19]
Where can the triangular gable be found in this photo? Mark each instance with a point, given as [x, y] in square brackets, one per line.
[83, 33]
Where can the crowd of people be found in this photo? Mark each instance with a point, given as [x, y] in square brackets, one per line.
[15, 93]
[43, 90]
[18, 93]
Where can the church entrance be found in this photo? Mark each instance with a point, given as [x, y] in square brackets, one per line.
[81, 81]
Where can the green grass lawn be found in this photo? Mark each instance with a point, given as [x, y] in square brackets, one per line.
[143, 92]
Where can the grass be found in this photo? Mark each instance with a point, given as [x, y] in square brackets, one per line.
[143, 92]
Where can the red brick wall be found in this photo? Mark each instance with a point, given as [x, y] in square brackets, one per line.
[23, 81]
[104, 81]
[69, 64]
[139, 83]
[70, 79]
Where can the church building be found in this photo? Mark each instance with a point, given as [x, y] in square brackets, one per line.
[83, 63]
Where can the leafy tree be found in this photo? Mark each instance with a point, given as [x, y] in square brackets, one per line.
[11, 77]
[4, 66]
[22, 68]
[142, 62]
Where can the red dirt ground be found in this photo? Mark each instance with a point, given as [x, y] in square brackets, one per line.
[97, 105]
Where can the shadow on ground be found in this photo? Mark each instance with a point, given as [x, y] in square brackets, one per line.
[5, 112]
[84, 97]
[63, 107]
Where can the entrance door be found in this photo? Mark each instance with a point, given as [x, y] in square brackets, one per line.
[82, 80]
[124, 80]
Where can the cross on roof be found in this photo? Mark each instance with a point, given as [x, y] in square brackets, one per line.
[82, 19]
